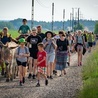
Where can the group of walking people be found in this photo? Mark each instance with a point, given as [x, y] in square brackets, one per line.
[44, 54]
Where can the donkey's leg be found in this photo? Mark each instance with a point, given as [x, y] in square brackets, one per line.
[2, 68]
[7, 72]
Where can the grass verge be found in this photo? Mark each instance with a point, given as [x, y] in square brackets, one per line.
[90, 77]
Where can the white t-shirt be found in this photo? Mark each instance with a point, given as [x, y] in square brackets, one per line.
[57, 37]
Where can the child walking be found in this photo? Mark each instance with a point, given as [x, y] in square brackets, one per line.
[21, 54]
[41, 64]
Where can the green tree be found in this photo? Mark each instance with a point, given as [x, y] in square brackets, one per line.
[96, 28]
[6, 24]
[78, 27]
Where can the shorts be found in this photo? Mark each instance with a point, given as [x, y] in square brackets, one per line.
[79, 48]
[24, 64]
[50, 58]
[90, 44]
[33, 55]
[94, 43]
[42, 70]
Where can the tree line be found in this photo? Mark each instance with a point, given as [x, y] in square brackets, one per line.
[58, 25]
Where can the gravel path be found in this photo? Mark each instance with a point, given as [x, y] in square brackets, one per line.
[60, 87]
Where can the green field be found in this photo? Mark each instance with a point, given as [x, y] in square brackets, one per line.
[14, 33]
[90, 77]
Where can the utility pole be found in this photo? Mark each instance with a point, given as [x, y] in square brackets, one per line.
[52, 15]
[63, 19]
[75, 22]
[32, 20]
[70, 21]
[73, 19]
[78, 16]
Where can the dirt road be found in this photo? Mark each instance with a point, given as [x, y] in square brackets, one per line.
[60, 87]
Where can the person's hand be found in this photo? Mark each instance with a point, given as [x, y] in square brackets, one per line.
[52, 41]
[46, 43]
[69, 54]
[24, 55]
[37, 63]
[19, 56]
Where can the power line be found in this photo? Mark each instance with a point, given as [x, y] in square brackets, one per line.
[44, 4]
[41, 4]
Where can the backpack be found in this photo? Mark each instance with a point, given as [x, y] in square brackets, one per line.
[25, 50]
[50, 45]
[77, 39]
[84, 49]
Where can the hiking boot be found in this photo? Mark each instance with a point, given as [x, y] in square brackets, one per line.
[38, 85]
[48, 77]
[60, 75]
[23, 80]
[2, 72]
[11, 79]
[46, 82]
[7, 80]
[20, 83]
[54, 72]
[29, 76]
[51, 77]
[34, 77]
[64, 72]
[80, 63]
[5, 74]
[68, 63]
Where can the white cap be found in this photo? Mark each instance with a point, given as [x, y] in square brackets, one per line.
[34, 29]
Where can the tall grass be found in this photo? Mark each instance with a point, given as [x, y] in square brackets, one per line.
[90, 77]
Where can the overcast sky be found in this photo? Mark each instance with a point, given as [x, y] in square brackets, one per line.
[13, 9]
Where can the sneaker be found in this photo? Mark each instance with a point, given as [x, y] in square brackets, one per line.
[48, 77]
[80, 63]
[7, 80]
[68, 63]
[5, 74]
[51, 77]
[29, 76]
[20, 83]
[60, 75]
[23, 80]
[2, 72]
[64, 72]
[38, 85]
[34, 77]
[46, 82]
[54, 72]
